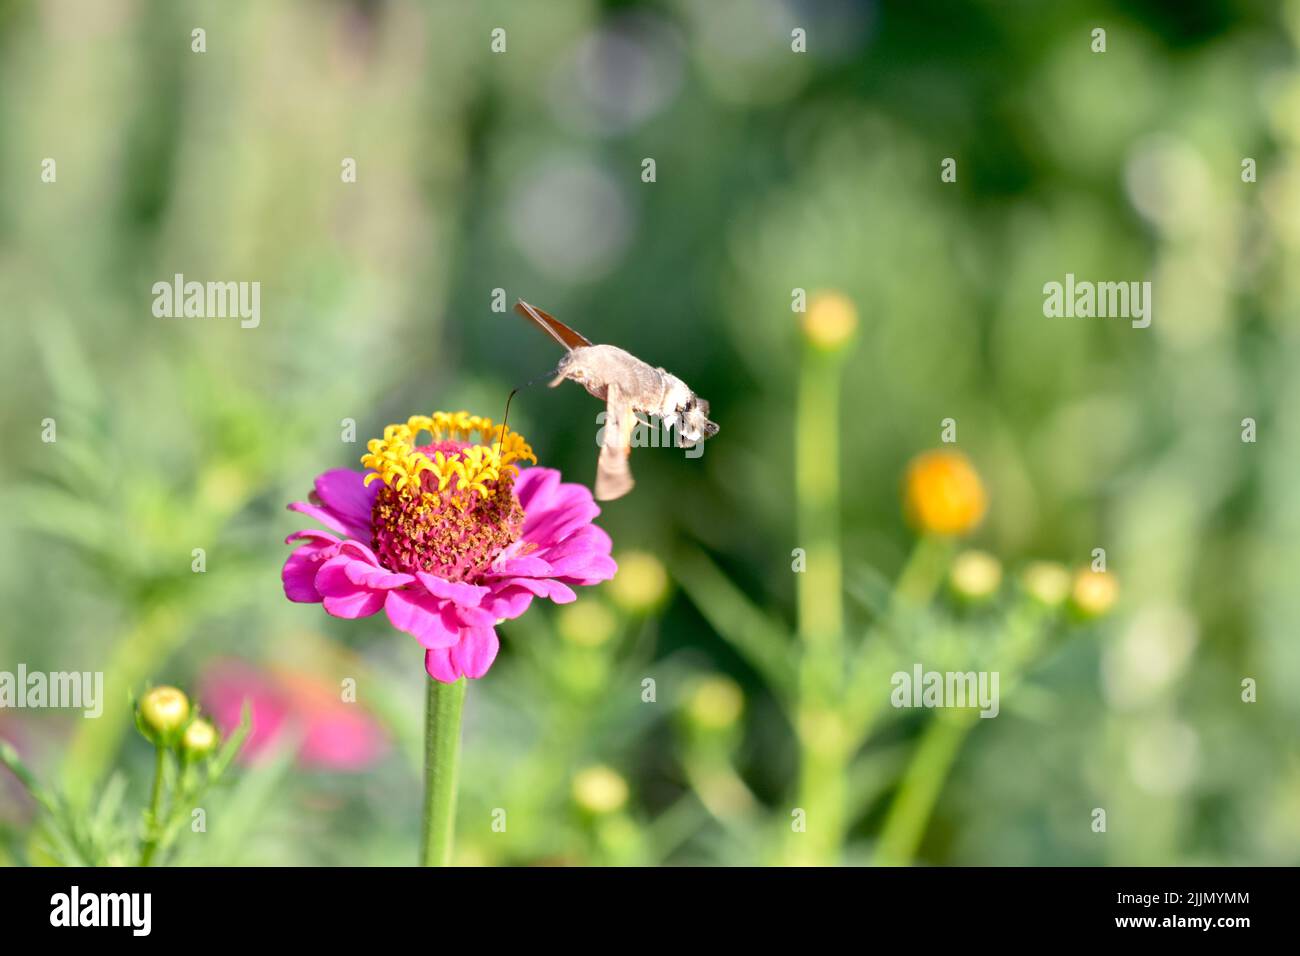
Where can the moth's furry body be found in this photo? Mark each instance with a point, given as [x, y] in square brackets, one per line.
[626, 385]
[652, 391]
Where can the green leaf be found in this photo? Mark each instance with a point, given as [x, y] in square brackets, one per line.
[763, 642]
[870, 589]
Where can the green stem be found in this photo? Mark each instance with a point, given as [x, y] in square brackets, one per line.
[441, 760]
[820, 712]
[819, 590]
[153, 823]
[909, 813]
[921, 576]
[135, 656]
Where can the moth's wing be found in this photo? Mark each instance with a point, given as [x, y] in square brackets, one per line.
[613, 472]
[551, 326]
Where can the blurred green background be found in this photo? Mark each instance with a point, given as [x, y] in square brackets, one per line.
[775, 170]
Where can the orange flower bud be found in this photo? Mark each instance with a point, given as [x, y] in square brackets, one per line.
[943, 494]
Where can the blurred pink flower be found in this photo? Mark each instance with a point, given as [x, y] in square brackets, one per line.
[335, 735]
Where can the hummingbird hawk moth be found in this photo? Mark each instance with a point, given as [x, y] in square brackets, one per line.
[627, 385]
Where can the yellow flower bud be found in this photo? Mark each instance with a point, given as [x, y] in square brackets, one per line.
[164, 711]
[942, 493]
[716, 703]
[975, 575]
[1046, 582]
[587, 623]
[200, 738]
[1094, 593]
[641, 582]
[599, 790]
[830, 321]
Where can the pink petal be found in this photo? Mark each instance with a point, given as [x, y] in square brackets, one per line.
[557, 591]
[359, 551]
[569, 508]
[534, 487]
[430, 620]
[598, 568]
[583, 557]
[299, 572]
[343, 597]
[473, 616]
[508, 602]
[470, 657]
[437, 662]
[312, 534]
[476, 651]
[343, 491]
[324, 515]
[466, 595]
[380, 579]
[525, 566]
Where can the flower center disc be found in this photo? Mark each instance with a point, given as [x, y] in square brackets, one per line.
[453, 534]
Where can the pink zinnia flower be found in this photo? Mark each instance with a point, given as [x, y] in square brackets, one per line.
[335, 735]
[447, 538]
